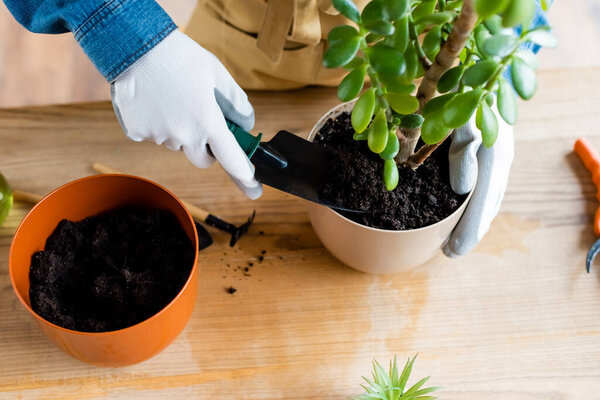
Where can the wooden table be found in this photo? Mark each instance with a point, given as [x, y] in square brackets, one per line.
[517, 319]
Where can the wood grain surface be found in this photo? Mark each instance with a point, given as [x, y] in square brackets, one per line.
[516, 319]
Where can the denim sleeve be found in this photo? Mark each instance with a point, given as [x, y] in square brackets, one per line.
[113, 33]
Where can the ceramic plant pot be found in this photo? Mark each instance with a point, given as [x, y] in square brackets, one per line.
[75, 201]
[372, 250]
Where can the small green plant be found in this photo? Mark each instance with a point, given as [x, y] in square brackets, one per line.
[396, 42]
[390, 385]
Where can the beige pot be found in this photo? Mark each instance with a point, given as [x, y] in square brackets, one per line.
[376, 251]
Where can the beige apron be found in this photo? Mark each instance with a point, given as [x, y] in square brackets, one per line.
[269, 44]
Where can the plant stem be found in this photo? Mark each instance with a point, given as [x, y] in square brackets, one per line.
[425, 151]
[414, 36]
[462, 28]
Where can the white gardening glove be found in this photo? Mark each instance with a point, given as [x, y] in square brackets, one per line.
[179, 95]
[485, 169]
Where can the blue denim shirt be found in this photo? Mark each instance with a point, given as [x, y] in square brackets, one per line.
[113, 33]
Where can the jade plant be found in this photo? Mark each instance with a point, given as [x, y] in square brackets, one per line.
[391, 384]
[432, 65]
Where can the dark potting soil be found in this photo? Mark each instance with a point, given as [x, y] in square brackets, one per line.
[110, 271]
[423, 197]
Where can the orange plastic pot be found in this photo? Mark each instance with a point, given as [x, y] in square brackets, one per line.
[76, 201]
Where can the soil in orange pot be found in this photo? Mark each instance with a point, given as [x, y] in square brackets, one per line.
[110, 271]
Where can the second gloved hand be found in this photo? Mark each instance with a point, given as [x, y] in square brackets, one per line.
[483, 170]
[179, 95]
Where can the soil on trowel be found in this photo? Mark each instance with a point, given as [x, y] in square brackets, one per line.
[423, 197]
[110, 271]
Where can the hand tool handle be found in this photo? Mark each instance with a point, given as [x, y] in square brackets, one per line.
[248, 142]
[26, 197]
[197, 212]
[591, 159]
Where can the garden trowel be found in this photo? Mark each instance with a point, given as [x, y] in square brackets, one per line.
[289, 163]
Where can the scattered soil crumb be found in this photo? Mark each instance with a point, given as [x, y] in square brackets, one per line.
[231, 290]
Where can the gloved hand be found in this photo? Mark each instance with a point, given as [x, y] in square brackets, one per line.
[485, 170]
[179, 95]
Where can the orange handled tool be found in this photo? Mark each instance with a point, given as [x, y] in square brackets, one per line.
[591, 160]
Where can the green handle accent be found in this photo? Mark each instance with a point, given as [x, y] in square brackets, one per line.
[247, 142]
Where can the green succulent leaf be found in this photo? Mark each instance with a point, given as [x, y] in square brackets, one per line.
[507, 102]
[348, 9]
[355, 63]
[387, 60]
[6, 198]
[412, 121]
[432, 42]
[437, 104]
[401, 35]
[450, 79]
[390, 178]
[378, 136]
[487, 123]
[352, 84]
[406, 373]
[374, 11]
[391, 148]
[403, 103]
[454, 4]
[395, 84]
[341, 33]
[383, 28]
[459, 110]
[542, 37]
[364, 135]
[423, 9]
[437, 18]
[479, 73]
[363, 111]
[523, 78]
[412, 63]
[489, 99]
[481, 36]
[396, 9]
[434, 130]
[462, 56]
[500, 45]
[487, 8]
[519, 12]
[414, 388]
[528, 58]
[341, 53]
[373, 37]
[494, 24]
